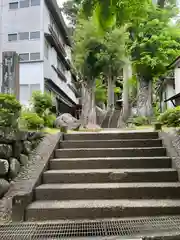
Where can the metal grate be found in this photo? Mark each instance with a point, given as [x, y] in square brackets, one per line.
[90, 229]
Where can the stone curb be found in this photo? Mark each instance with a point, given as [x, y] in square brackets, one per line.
[24, 195]
[171, 141]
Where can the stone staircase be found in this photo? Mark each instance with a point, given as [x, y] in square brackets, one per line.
[107, 175]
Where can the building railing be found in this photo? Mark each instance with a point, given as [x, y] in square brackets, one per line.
[57, 41]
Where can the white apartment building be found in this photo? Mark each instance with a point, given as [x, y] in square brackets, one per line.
[35, 29]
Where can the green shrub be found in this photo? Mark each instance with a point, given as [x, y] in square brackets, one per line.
[170, 117]
[31, 121]
[49, 120]
[42, 102]
[9, 110]
[139, 121]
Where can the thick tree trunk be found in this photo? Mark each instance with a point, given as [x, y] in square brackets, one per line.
[88, 115]
[127, 74]
[144, 100]
[110, 102]
[92, 110]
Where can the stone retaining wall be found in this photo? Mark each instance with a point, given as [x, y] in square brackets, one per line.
[171, 141]
[15, 147]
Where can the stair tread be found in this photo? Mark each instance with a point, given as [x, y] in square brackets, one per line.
[108, 185]
[102, 149]
[70, 204]
[108, 158]
[113, 140]
[111, 170]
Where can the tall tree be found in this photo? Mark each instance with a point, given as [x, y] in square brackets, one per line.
[154, 43]
[112, 58]
[87, 45]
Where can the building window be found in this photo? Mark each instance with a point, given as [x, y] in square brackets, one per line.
[34, 35]
[24, 36]
[24, 3]
[46, 50]
[35, 2]
[34, 56]
[24, 57]
[26, 91]
[13, 5]
[12, 37]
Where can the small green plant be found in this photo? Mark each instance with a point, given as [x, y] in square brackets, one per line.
[42, 102]
[43, 106]
[49, 120]
[9, 110]
[170, 117]
[140, 121]
[31, 121]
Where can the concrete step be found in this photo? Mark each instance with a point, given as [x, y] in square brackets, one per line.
[108, 191]
[110, 175]
[93, 209]
[99, 163]
[110, 152]
[112, 143]
[111, 136]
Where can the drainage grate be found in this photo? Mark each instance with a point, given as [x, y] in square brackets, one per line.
[90, 229]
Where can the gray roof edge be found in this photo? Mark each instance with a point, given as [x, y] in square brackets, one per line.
[54, 8]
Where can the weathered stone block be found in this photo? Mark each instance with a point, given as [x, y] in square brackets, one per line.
[4, 167]
[17, 149]
[4, 186]
[5, 151]
[24, 159]
[67, 120]
[27, 147]
[7, 135]
[14, 167]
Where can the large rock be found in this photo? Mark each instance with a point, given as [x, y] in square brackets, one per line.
[35, 136]
[24, 159]
[27, 147]
[14, 167]
[4, 167]
[4, 186]
[67, 120]
[17, 148]
[10, 135]
[5, 151]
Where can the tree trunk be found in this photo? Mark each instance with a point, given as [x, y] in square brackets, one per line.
[88, 115]
[110, 102]
[144, 100]
[127, 74]
[92, 110]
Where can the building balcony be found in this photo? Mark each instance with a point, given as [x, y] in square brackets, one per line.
[76, 90]
[59, 73]
[53, 39]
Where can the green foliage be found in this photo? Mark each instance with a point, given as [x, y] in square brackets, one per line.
[140, 121]
[42, 102]
[87, 44]
[170, 117]
[154, 42]
[112, 55]
[100, 91]
[30, 120]
[9, 110]
[49, 120]
[109, 12]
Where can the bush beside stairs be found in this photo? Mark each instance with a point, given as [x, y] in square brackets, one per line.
[107, 175]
